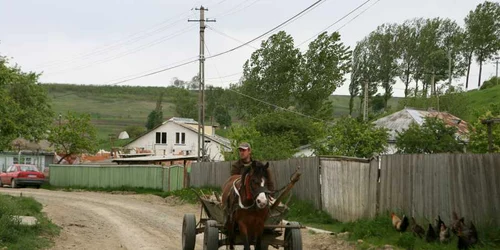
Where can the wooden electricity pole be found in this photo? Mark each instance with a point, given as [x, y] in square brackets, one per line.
[201, 87]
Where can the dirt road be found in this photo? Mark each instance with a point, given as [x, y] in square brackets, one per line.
[91, 220]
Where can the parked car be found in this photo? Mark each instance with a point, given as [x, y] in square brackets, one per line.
[18, 175]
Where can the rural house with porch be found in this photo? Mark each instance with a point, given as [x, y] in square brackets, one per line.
[179, 136]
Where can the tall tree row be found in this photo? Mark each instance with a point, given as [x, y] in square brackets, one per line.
[425, 54]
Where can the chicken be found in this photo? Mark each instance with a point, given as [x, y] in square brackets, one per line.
[455, 223]
[444, 234]
[439, 222]
[398, 224]
[467, 236]
[417, 229]
[430, 235]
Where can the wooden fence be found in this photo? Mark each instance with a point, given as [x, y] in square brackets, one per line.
[349, 187]
[423, 186]
[308, 188]
[111, 176]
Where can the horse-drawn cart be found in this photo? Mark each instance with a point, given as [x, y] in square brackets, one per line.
[277, 233]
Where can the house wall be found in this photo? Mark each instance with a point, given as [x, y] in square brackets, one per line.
[41, 161]
[305, 152]
[148, 142]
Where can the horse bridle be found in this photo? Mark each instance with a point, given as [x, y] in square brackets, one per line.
[258, 190]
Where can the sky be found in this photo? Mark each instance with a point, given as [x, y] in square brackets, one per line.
[103, 42]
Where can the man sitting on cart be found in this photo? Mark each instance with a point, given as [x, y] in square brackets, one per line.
[244, 164]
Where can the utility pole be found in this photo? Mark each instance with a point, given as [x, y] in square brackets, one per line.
[201, 87]
[497, 58]
[365, 103]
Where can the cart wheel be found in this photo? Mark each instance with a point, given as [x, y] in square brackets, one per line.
[188, 232]
[293, 238]
[211, 237]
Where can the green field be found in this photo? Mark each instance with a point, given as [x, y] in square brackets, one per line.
[113, 108]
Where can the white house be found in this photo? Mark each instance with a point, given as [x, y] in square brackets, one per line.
[179, 136]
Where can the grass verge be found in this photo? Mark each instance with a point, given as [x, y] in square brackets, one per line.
[13, 235]
[379, 232]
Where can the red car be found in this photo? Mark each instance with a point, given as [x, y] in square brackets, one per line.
[19, 175]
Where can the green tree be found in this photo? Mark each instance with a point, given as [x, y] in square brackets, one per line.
[134, 131]
[222, 116]
[323, 67]
[483, 26]
[185, 104]
[385, 54]
[406, 45]
[218, 105]
[264, 148]
[433, 136]
[298, 129]
[270, 75]
[352, 137]
[493, 81]
[76, 135]
[478, 139]
[155, 118]
[364, 69]
[378, 103]
[25, 110]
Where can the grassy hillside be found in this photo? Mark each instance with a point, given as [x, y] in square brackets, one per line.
[114, 108]
[479, 99]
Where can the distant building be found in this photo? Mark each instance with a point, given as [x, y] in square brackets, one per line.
[401, 120]
[179, 136]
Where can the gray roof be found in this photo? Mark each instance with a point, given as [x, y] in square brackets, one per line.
[401, 121]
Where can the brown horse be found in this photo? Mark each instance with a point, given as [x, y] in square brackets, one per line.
[246, 204]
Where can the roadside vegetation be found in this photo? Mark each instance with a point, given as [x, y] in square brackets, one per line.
[13, 235]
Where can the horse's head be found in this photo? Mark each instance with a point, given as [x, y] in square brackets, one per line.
[255, 184]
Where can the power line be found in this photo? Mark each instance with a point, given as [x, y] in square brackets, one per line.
[230, 50]
[271, 30]
[359, 14]
[342, 18]
[352, 19]
[226, 76]
[126, 53]
[110, 47]
[228, 36]
[267, 103]
[127, 40]
[236, 11]
[155, 72]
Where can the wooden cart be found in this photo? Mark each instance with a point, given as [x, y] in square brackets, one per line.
[277, 233]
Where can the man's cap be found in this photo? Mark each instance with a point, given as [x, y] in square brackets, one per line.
[244, 145]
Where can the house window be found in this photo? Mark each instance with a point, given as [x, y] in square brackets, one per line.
[161, 137]
[180, 138]
[22, 160]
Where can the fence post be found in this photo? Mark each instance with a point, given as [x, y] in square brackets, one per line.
[318, 169]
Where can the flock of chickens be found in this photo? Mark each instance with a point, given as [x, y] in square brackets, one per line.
[467, 235]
